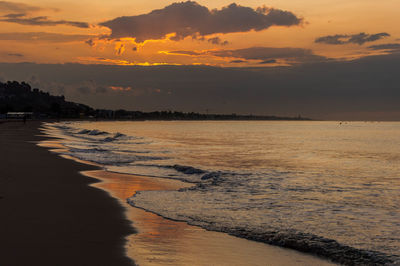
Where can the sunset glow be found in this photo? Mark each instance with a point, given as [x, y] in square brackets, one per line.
[61, 32]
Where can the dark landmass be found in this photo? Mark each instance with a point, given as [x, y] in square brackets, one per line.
[20, 97]
[49, 213]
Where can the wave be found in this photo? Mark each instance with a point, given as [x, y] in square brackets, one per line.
[91, 150]
[116, 136]
[108, 157]
[93, 132]
[188, 170]
[191, 174]
[304, 242]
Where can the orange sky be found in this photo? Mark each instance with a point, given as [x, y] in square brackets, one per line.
[44, 44]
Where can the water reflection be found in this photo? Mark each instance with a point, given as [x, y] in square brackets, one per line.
[161, 241]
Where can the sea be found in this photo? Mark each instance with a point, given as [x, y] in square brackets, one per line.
[329, 188]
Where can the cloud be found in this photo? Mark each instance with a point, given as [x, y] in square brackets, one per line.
[184, 52]
[359, 38]
[20, 13]
[84, 90]
[42, 36]
[217, 40]
[363, 38]
[191, 19]
[12, 7]
[91, 42]
[23, 19]
[15, 55]
[269, 61]
[265, 55]
[120, 88]
[119, 48]
[326, 90]
[269, 53]
[387, 46]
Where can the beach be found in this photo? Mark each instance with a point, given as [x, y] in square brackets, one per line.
[54, 214]
[161, 241]
[49, 213]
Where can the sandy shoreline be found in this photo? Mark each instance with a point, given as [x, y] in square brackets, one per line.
[69, 220]
[161, 241]
[49, 213]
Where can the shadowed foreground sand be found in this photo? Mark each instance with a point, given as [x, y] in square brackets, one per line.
[49, 214]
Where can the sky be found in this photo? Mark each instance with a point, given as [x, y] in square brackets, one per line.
[331, 59]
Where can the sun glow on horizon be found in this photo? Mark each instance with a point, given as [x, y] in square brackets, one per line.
[55, 34]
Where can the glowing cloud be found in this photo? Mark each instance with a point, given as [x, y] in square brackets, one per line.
[262, 55]
[191, 19]
[120, 88]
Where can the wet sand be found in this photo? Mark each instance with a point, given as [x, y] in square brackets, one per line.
[160, 241]
[49, 213]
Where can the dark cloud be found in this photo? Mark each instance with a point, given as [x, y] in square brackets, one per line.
[265, 55]
[271, 53]
[24, 19]
[366, 88]
[120, 49]
[386, 46]
[331, 39]
[101, 90]
[191, 19]
[20, 13]
[42, 36]
[270, 61]
[238, 61]
[183, 52]
[84, 90]
[12, 7]
[359, 38]
[363, 38]
[91, 42]
[15, 55]
[218, 41]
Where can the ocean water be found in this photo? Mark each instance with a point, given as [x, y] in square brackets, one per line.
[328, 188]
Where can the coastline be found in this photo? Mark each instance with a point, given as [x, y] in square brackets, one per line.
[162, 241]
[57, 215]
[50, 214]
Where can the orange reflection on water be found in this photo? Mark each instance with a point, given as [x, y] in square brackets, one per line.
[155, 232]
[160, 241]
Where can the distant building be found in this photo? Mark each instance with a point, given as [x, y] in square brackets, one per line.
[19, 115]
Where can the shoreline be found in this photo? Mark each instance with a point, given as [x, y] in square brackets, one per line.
[164, 241]
[221, 248]
[50, 213]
